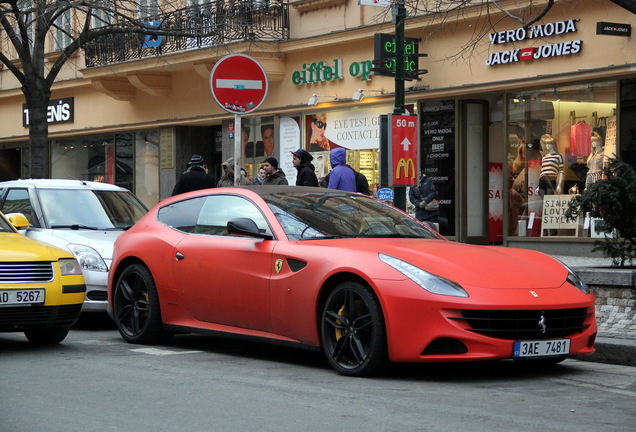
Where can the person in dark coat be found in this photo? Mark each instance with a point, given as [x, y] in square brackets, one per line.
[342, 176]
[306, 171]
[421, 195]
[194, 178]
[275, 176]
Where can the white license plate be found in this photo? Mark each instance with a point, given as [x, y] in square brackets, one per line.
[541, 348]
[23, 297]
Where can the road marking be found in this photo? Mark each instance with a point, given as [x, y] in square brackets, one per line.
[162, 351]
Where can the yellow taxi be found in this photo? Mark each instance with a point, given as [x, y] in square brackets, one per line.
[41, 287]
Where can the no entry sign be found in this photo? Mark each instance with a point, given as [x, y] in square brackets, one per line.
[238, 83]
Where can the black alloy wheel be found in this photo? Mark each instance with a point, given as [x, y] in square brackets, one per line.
[353, 330]
[136, 306]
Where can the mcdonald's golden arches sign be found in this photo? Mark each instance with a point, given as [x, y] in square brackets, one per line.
[404, 154]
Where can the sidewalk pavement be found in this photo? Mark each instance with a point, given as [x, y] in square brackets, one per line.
[612, 348]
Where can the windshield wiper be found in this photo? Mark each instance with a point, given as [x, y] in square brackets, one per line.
[75, 227]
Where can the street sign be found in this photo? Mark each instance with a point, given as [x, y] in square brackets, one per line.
[385, 194]
[403, 138]
[238, 83]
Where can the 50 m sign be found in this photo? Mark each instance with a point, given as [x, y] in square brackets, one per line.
[58, 111]
[404, 154]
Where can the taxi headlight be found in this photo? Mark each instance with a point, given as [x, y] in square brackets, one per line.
[430, 282]
[69, 266]
[88, 257]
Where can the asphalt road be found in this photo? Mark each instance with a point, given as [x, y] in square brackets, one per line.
[94, 381]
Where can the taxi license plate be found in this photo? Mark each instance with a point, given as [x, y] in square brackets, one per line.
[23, 297]
[541, 348]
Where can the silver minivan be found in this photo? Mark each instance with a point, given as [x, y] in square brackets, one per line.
[80, 216]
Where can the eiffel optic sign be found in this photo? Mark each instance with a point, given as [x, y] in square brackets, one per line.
[536, 52]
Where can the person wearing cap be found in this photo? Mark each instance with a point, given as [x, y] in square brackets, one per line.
[194, 178]
[227, 179]
[274, 175]
[306, 171]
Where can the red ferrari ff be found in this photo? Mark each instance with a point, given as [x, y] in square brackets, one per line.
[342, 272]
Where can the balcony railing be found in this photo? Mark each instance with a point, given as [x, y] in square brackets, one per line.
[217, 23]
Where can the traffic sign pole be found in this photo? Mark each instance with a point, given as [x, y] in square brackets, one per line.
[238, 137]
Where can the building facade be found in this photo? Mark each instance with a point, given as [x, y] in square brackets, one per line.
[512, 121]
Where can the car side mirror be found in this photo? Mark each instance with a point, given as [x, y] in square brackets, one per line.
[246, 226]
[18, 220]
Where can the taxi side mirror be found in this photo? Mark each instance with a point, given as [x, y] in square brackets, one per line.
[18, 220]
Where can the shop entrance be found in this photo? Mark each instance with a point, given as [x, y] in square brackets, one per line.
[10, 163]
[473, 163]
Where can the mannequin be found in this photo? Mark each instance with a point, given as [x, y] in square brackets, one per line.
[551, 178]
[595, 160]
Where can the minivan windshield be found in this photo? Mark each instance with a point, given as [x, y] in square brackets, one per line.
[310, 216]
[90, 209]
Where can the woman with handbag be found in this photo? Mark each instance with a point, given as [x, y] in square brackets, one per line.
[423, 197]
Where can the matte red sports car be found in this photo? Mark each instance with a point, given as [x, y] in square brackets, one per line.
[342, 272]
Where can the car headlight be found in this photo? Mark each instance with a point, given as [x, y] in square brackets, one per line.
[430, 282]
[69, 266]
[577, 282]
[88, 257]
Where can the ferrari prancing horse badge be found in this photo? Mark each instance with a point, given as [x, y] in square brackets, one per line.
[278, 265]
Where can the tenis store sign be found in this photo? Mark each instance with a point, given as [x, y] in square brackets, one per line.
[58, 111]
[543, 31]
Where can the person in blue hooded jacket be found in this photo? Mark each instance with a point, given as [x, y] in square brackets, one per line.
[341, 176]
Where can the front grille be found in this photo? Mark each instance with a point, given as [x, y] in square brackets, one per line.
[26, 272]
[38, 316]
[526, 324]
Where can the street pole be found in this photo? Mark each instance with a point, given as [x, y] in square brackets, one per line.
[399, 15]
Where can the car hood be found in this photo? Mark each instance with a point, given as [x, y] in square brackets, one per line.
[492, 266]
[17, 248]
[100, 240]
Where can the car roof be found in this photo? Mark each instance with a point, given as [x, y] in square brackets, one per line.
[61, 184]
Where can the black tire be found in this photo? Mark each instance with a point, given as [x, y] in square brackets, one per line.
[47, 335]
[136, 306]
[353, 330]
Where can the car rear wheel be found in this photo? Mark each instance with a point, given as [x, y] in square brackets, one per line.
[353, 330]
[47, 336]
[136, 306]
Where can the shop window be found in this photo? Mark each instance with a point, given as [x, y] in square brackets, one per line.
[559, 141]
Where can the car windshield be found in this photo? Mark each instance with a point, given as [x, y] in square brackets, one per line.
[90, 209]
[309, 216]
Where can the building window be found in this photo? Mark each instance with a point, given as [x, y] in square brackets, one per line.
[559, 141]
[148, 8]
[64, 31]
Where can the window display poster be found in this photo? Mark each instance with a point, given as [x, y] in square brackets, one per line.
[289, 141]
[438, 156]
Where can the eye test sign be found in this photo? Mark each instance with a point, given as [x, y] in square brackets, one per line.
[354, 129]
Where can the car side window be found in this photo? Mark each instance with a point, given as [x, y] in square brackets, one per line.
[181, 215]
[218, 210]
[17, 201]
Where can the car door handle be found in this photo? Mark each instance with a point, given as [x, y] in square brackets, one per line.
[179, 256]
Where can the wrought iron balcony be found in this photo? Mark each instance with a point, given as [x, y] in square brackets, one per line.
[217, 23]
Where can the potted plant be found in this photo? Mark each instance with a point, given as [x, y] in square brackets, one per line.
[613, 199]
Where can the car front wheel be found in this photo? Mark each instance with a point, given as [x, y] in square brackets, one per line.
[353, 330]
[136, 306]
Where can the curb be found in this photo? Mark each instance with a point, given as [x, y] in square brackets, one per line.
[613, 351]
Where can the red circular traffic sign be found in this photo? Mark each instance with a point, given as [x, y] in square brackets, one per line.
[238, 83]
